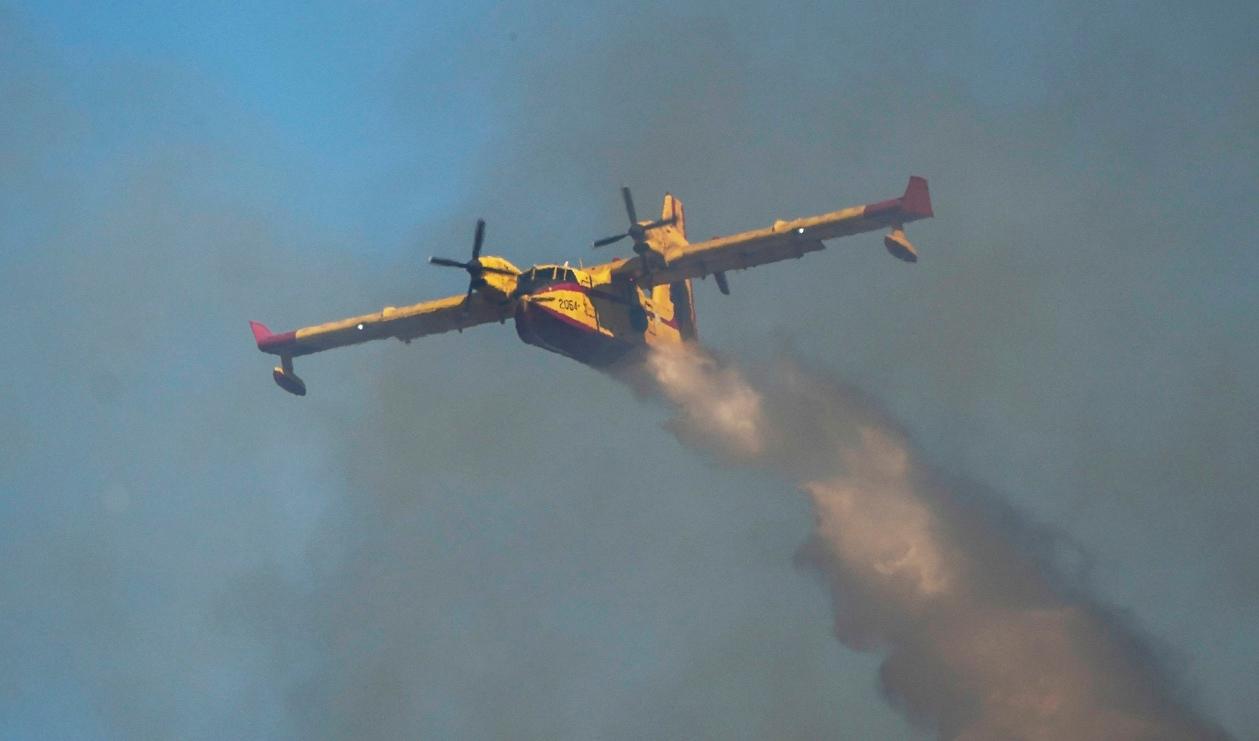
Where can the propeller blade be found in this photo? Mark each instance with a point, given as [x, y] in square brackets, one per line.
[629, 204]
[479, 239]
[660, 222]
[472, 267]
[476, 270]
[611, 240]
[447, 262]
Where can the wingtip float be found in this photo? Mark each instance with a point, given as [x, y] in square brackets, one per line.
[602, 314]
[279, 344]
[913, 205]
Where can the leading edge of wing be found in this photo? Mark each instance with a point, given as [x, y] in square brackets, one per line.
[782, 240]
[404, 323]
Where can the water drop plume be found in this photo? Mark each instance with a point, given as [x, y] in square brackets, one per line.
[983, 637]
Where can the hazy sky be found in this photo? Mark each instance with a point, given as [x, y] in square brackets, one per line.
[469, 537]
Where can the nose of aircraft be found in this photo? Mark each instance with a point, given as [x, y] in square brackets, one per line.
[527, 307]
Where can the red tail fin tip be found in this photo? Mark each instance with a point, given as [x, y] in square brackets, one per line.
[917, 199]
[261, 333]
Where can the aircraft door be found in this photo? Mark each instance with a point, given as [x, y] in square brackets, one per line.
[584, 282]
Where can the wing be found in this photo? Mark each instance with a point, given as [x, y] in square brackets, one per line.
[405, 323]
[783, 240]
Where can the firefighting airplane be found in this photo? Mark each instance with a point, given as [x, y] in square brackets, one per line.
[603, 314]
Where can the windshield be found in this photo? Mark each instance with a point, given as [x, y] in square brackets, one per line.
[543, 275]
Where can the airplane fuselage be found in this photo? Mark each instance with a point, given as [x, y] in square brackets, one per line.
[586, 316]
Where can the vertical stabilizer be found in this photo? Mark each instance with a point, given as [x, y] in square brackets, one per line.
[672, 211]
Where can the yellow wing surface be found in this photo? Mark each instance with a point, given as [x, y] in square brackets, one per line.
[403, 322]
[783, 240]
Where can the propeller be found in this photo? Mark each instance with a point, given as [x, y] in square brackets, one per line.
[637, 231]
[474, 267]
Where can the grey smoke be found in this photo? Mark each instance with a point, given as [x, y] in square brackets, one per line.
[983, 637]
[417, 552]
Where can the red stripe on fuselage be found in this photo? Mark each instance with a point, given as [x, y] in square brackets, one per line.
[538, 325]
[592, 292]
[569, 286]
[562, 317]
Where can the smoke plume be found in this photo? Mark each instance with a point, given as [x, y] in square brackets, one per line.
[469, 538]
[981, 637]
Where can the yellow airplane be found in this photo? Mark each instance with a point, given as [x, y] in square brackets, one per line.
[602, 314]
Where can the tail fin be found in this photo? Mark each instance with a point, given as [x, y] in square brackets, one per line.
[672, 209]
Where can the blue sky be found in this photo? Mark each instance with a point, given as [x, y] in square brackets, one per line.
[419, 546]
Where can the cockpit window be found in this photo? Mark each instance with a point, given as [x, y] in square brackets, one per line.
[545, 275]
